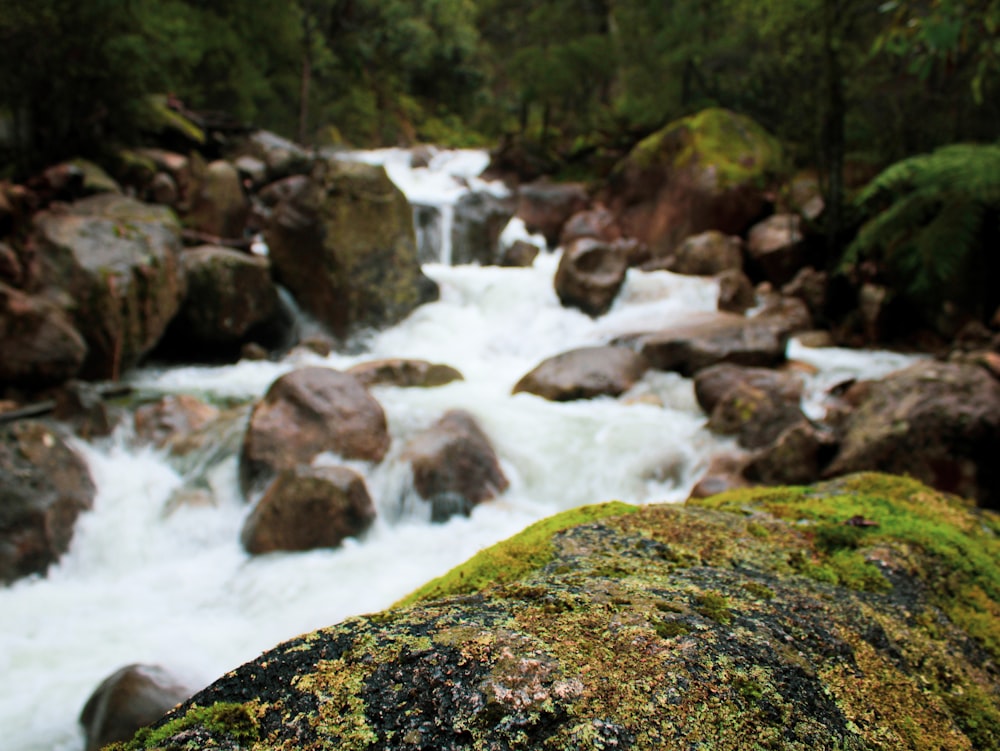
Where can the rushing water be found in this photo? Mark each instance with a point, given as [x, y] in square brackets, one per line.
[140, 585]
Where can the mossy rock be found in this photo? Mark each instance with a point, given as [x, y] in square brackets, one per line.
[857, 614]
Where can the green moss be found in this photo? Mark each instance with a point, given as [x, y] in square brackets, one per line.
[714, 605]
[953, 546]
[513, 558]
[237, 721]
[734, 146]
[670, 629]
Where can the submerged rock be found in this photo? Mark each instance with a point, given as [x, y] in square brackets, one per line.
[858, 614]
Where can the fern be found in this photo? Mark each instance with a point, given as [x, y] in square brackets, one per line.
[929, 218]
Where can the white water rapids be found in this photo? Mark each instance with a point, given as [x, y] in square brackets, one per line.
[141, 586]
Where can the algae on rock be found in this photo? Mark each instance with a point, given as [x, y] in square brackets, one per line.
[856, 614]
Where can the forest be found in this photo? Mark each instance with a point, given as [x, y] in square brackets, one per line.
[851, 87]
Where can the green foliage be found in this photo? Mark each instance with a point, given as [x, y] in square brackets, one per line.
[932, 223]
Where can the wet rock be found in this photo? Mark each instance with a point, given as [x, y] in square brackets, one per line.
[703, 172]
[736, 292]
[776, 251]
[725, 472]
[479, 219]
[520, 254]
[170, 421]
[427, 225]
[707, 254]
[342, 241]
[131, 698]
[545, 207]
[39, 346]
[712, 384]
[280, 156]
[708, 623]
[589, 276]
[756, 416]
[81, 406]
[219, 207]
[404, 373]
[598, 222]
[709, 339]
[116, 264]
[11, 269]
[306, 508]
[810, 286]
[231, 299]
[937, 422]
[455, 456]
[584, 374]
[307, 412]
[797, 456]
[44, 485]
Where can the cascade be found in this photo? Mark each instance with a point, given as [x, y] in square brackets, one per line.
[145, 584]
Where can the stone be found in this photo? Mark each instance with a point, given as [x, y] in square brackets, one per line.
[39, 346]
[736, 292]
[520, 254]
[776, 251]
[479, 218]
[712, 384]
[171, 420]
[707, 254]
[754, 415]
[115, 262]
[776, 617]
[584, 374]
[937, 422]
[305, 508]
[44, 486]
[545, 207]
[305, 413]
[797, 456]
[131, 698]
[454, 455]
[590, 275]
[598, 222]
[342, 242]
[219, 206]
[280, 156]
[404, 373]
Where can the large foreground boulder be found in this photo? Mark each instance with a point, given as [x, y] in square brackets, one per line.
[860, 614]
[937, 422]
[44, 485]
[115, 264]
[342, 241]
[305, 413]
[707, 171]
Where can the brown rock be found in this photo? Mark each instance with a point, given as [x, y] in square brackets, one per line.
[736, 292]
[589, 276]
[598, 223]
[707, 254]
[479, 219]
[754, 415]
[404, 373]
[520, 254]
[810, 286]
[38, 344]
[545, 207]
[585, 373]
[305, 413]
[712, 384]
[307, 508]
[797, 457]
[937, 422]
[775, 248]
[11, 270]
[709, 339]
[173, 418]
[454, 457]
[129, 699]
[725, 472]
[219, 207]
[44, 485]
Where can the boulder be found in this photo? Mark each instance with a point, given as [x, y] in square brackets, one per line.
[937, 422]
[545, 207]
[585, 373]
[812, 288]
[427, 226]
[231, 299]
[598, 222]
[754, 415]
[115, 263]
[797, 456]
[131, 698]
[38, 344]
[845, 617]
[305, 413]
[520, 254]
[219, 207]
[170, 421]
[776, 251]
[480, 217]
[736, 292]
[280, 156]
[44, 485]
[342, 242]
[307, 508]
[454, 457]
[708, 171]
[706, 254]
[725, 472]
[712, 384]
[404, 373]
[178, 171]
[709, 339]
[589, 275]
[11, 268]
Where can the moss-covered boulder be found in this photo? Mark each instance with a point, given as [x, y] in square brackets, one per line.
[858, 614]
[342, 241]
[708, 171]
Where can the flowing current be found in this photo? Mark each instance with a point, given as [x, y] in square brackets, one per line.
[176, 589]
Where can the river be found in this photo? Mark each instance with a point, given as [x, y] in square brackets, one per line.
[141, 585]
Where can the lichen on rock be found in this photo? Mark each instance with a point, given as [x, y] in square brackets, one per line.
[856, 614]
